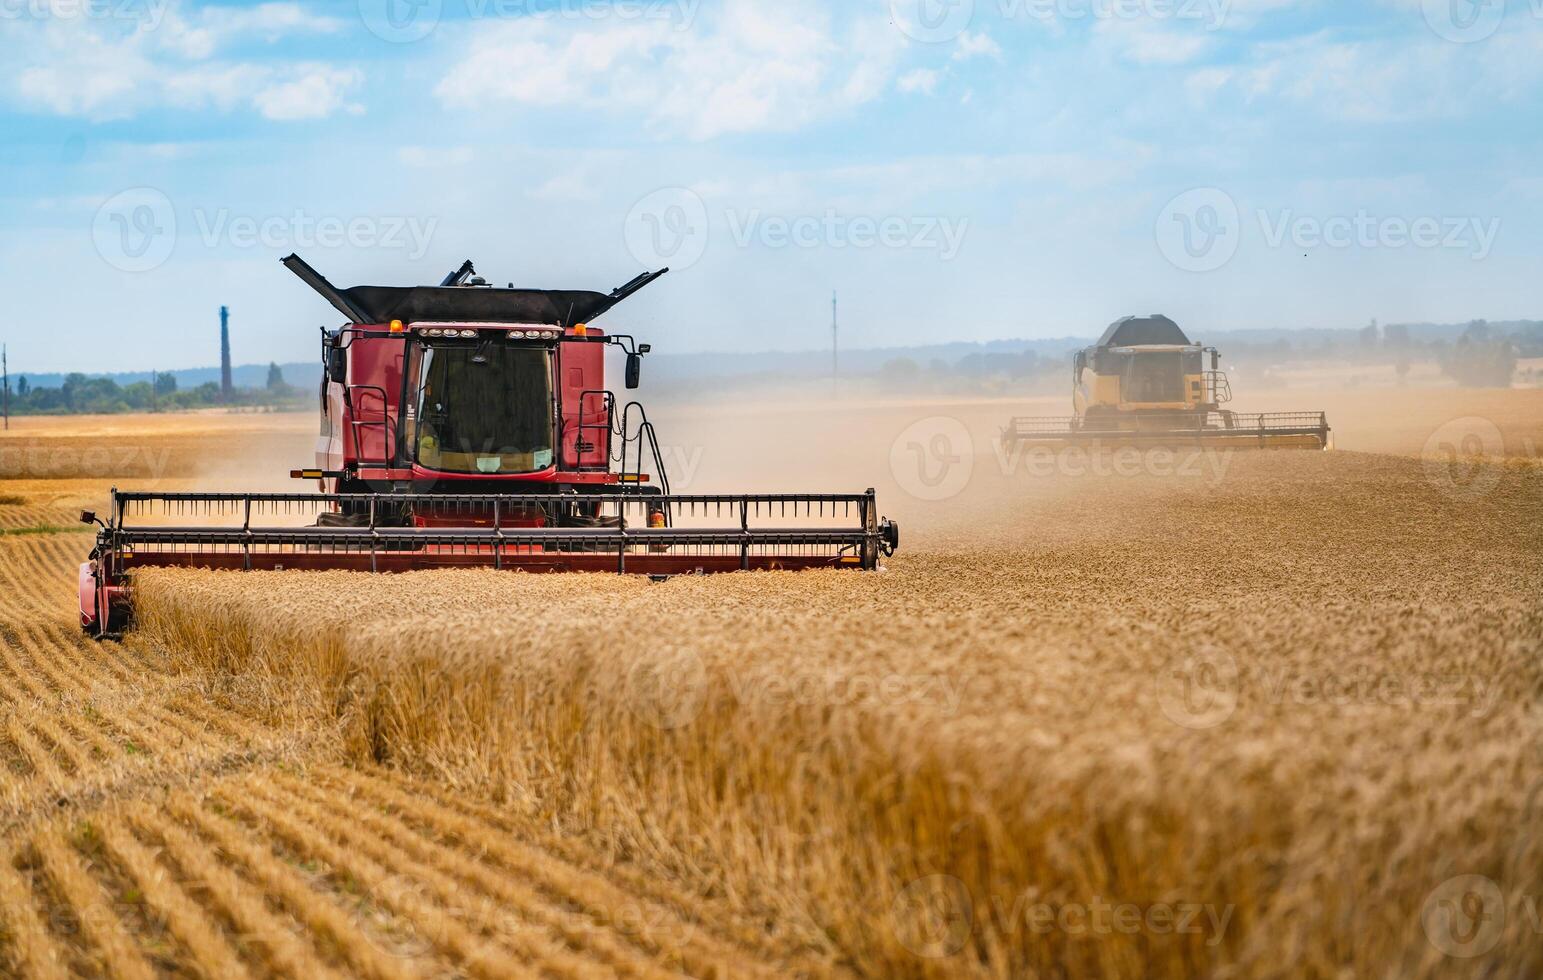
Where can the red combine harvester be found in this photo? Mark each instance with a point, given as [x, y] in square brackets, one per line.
[467, 426]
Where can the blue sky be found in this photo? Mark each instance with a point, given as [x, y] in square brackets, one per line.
[958, 169]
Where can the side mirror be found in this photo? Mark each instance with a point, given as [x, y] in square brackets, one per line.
[634, 370]
[337, 365]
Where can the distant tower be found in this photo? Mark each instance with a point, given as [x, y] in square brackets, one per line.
[226, 388]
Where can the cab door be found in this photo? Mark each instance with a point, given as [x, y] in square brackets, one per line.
[375, 384]
[586, 407]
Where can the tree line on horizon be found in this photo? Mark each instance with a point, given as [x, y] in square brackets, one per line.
[81, 394]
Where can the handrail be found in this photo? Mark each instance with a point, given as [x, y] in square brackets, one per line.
[386, 422]
[606, 425]
[1219, 387]
[645, 431]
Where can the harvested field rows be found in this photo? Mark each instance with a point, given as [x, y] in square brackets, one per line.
[1286, 704]
[326, 871]
[152, 827]
[47, 504]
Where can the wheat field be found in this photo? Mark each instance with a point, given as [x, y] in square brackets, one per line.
[152, 830]
[1249, 722]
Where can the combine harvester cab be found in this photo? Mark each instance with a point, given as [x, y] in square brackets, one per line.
[471, 427]
[1145, 383]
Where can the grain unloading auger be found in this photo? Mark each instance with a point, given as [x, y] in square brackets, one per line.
[1146, 384]
[471, 427]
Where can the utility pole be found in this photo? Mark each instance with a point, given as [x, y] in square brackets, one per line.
[5, 385]
[225, 383]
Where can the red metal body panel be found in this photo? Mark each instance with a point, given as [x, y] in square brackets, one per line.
[99, 599]
[374, 393]
[358, 429]
[581, 396]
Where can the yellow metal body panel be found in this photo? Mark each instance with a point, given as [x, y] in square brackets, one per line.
[1190, 413]
[1104, 391]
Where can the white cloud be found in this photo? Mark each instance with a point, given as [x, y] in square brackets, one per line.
[161, 151]
[106, 68]
[924, 80]
[267, 21]
[201, 32]
[1381, 81]
[750, 67]
[1151, 42]
[976, 46]
[567, 187]
[317, 93]
[1202, 85]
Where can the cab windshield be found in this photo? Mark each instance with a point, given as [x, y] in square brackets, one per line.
[483, 408]
[1155, 376]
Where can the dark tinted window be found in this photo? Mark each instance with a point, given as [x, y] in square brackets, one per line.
[1155, 378]
[485, 409]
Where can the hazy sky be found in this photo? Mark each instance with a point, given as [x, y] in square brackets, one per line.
[957, 169]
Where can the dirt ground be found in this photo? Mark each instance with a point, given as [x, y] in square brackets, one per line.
[1294, 693]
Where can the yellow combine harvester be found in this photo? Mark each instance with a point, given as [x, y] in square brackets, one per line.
[1146, 383]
